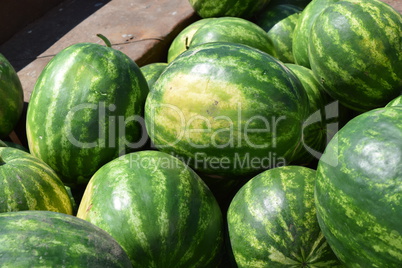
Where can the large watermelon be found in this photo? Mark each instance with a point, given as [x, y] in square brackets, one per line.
[11, 96]
[227, 109]
[27, 183]
[234, 30]
[228, 8]
[272, 221]
[357, 54]
[51, 239]
[158, 209]
[359, 190]
[301, 34]
[182, 41]
[84, 110]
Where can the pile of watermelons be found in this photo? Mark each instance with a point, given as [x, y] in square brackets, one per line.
[270, 137]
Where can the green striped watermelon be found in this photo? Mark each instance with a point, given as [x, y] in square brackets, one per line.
[315, 131]
[395, 102]
[356, 53]
[152, 72]
[359, 190]
[51, 239]
[182, 41]
[281, 35]
[234, 30]
[11, 96]
[27, 183]
[158, 209]
[272, 222]
[227, 8]
[84, 110]
[272, 14]
[301, 35]
[227, 109]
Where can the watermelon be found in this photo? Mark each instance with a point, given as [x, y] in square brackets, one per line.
[182, 41]
[227, 8]
[272, 221]
[52, 239]
[368, 73]
[273, 14]
[158, 209]
[301, 35]
[15, 145]
[316, 133]
[281, 35]
[152, 71]
[395, 102]
[359, 190]
[27, 183]
[227, 110]
[12, 97]
[85, 110]
[234, 30]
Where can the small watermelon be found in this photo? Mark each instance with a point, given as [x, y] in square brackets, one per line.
[182, 41]
[12, 97]
[158, 209]
[358, 190]
[51, 239]
[234, 30]
[27, 183]
[152, 72]
[301, 35]
[272, 222]
[281, 35]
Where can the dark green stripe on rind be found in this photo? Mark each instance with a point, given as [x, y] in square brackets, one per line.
[158, 209]
[227, 8]
[77, 112]
[358, 190]
[26, 183]
[368, 36]
[50, 239]
[272, 221]
[216, 100]
[234, 30]
[11, 96]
